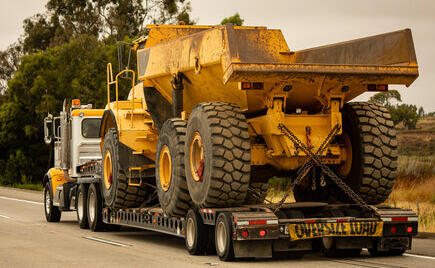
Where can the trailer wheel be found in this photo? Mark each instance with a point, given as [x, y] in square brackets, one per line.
[82, 206]
[170, 174]
[370, 136]
[52, 213]
[218, 156]
[223, 237]
[95, 210]
[116, 191]
[197, 236]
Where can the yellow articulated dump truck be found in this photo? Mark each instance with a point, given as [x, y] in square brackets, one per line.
[214, 112]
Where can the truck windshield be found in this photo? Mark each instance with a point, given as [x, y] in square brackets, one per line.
[91, 128]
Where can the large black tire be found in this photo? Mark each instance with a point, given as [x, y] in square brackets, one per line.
[82, 206]
[220, 175]
[119, 194]
[197, 233]
[95, 209]
[257, 193]
[52, 213]
[374, 150]
[171, 182]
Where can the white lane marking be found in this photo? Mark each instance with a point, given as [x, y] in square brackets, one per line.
[3, 216]
[415, 255]
[21, 200]
[419, 256]
[107, 241]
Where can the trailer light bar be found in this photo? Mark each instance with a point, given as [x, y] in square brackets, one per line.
[256, 222]
[400, 219]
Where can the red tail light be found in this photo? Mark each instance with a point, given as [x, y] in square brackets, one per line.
[393, 230]
[409, 229]
[245, 234]
[263, 233]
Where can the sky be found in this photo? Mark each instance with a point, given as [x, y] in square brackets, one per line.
[304, 24]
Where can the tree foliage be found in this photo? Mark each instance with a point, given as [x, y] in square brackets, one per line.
[409, 114]
[235, 20]
[64, 52]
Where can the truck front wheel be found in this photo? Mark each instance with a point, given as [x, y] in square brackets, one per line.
[52, 213]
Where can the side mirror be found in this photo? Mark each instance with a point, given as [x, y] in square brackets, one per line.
[48, 127]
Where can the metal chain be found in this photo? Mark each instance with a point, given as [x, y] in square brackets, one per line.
[309, 164]
[325, 169]
[257, 195]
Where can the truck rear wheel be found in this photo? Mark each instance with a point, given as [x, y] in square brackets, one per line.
[52, 213]
[370, 132]
[170, 174]
[218, 156]
[95, 209]
[116, 190]
[82, 206]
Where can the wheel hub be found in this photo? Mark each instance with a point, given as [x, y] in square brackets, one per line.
[197, 157]
[221, 237]
[190, 235]
[165, 168]
[108, 177]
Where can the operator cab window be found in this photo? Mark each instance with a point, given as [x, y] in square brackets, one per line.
[91, 128]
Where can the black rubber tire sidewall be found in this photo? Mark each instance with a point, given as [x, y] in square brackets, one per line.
[198, 190]
[83, 223]
[228, 253]
[54, 213]
[110, 144]
[201, 235]
[96, 225]
[176, 200]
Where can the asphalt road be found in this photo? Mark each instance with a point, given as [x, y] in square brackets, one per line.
[26, 239]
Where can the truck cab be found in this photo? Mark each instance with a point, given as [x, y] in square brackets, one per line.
[75, 136]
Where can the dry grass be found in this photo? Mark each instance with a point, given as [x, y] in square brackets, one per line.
[407, 193]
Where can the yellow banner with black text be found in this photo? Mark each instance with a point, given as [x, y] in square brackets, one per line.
[323, 229]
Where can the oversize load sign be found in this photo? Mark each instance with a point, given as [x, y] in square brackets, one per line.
[315, 230]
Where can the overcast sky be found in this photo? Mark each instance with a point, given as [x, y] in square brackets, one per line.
[304, 24]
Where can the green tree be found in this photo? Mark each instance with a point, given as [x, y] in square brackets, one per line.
[406, 113]
[387, 98]
[235, 20]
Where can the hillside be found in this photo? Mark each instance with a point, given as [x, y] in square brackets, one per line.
[419, 141]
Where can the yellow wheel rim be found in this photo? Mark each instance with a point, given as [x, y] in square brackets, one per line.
[196, 157]
[108, 176]
[345, 167]
[165, 167]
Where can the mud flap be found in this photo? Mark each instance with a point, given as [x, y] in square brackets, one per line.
[253, 249]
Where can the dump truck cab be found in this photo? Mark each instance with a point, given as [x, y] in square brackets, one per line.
[75, 136]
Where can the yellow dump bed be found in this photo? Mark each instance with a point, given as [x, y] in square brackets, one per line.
[216, 59]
